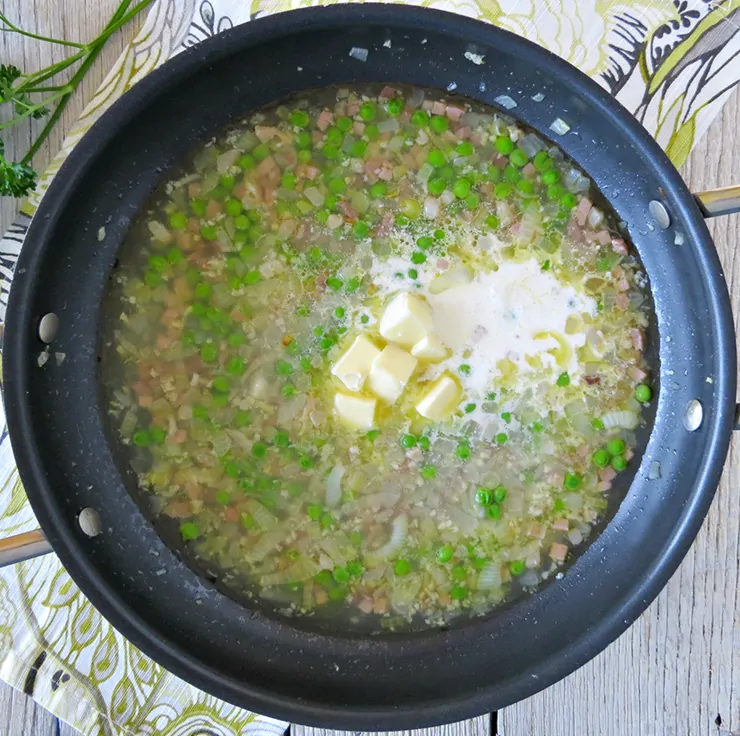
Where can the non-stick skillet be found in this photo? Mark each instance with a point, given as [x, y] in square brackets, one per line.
[283, 668]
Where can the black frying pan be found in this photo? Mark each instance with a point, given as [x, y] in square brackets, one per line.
[275, 666]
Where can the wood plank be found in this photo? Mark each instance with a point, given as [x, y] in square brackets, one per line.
[474, 727]
[677, 670]
[20, 716]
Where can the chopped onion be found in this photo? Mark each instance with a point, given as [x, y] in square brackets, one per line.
[622, 419]
[490, 576]
[532, 144]
[399, 531]
[425, 171]
[300, 570]
[358, 53]
[505, 101]
[226, 160]
[456, 276]
[415, 98]
[333, 486]
[475, 58]
[314, 196]
[388, 126]
[431, 208]
[654, 470]
[559, 126]
[159, 231]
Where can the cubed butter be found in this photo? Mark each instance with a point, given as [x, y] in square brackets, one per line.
[440, 400]
[354, 366]
[390, 373]
[429, 348]
[357, 412]
[406, 320]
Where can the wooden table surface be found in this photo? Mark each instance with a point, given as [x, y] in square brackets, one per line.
[676, 672]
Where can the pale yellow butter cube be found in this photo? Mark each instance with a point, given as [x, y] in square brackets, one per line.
[354, 366]
[429, 348]
[390, 373]
[440, 400]
[357, 412]
[406, 320]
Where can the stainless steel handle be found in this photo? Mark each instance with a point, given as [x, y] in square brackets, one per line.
[23, 547]
[716, 202]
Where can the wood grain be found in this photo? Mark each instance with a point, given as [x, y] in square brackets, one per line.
[475, 727]
[676, 672]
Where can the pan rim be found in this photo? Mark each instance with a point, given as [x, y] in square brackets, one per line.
[40, 488]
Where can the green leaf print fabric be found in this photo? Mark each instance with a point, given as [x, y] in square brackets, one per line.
[673, 64]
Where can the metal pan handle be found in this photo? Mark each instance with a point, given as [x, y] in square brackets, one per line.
[716, 202]
[22, 547]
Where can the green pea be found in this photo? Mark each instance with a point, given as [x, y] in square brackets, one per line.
[283, 368]
[615, 447]
[334, 136]
[419, 118]
[463, 451]
[303, 140]
[493, 512]
[499, 494]
[424, 443]
[464, 148]
[439, 123]
[236, 366]
[395, 106]
[355, 568]
[364, 319]
[568, 201]
[517, 567]
[643, 393]
[458, 573]
[142, 438]
[597, 424]
[425, 242]
[299, 118]
[306, 462]
[288, 391]
[337, 186]
[619, 463]
[153, 279]
[501, 438]
[413, 273]
[340, 575]
[408, 441]
[221, 384]
[178, 220]
[223, 498]
[361, 230]
[344, 124]
[428, 472]
[525, 186]
[372, 132]
[503, 189]
[175, 255]
[458, 593]
[472, 201]
[288, 180]
[158, 435]
[563, 380]
[227, 182]
[246, 162]
[242, 418]
[158, 263]
[445, 553]
[504, 145]
[436, 186]
[402, 568]
[331, 151]
[334, 283]
[484, 496]
[461, 188]
[259, 450]
[600, 458]
[418, 258]
[436, 158]
[551, 177]
[209, 353]
[378, 189]
[368, 112]
[252, 277]
[281, 439]
[261, 152]
[469, 408]
[494, 174]
[464, 369]
[518, 158]
[358, 149]
[236, 339]
[209, 232]
[198, 206]
[189, 530]
[572, 481]
[314, 511]
[203, 290]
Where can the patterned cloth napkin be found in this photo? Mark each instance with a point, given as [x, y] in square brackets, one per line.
[673, 64]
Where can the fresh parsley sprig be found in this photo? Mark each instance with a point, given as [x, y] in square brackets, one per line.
[30, 95]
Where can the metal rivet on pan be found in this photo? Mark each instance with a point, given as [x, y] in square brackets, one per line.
[659, 213]
[48, 327]
[89, 521]
[693, 416]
